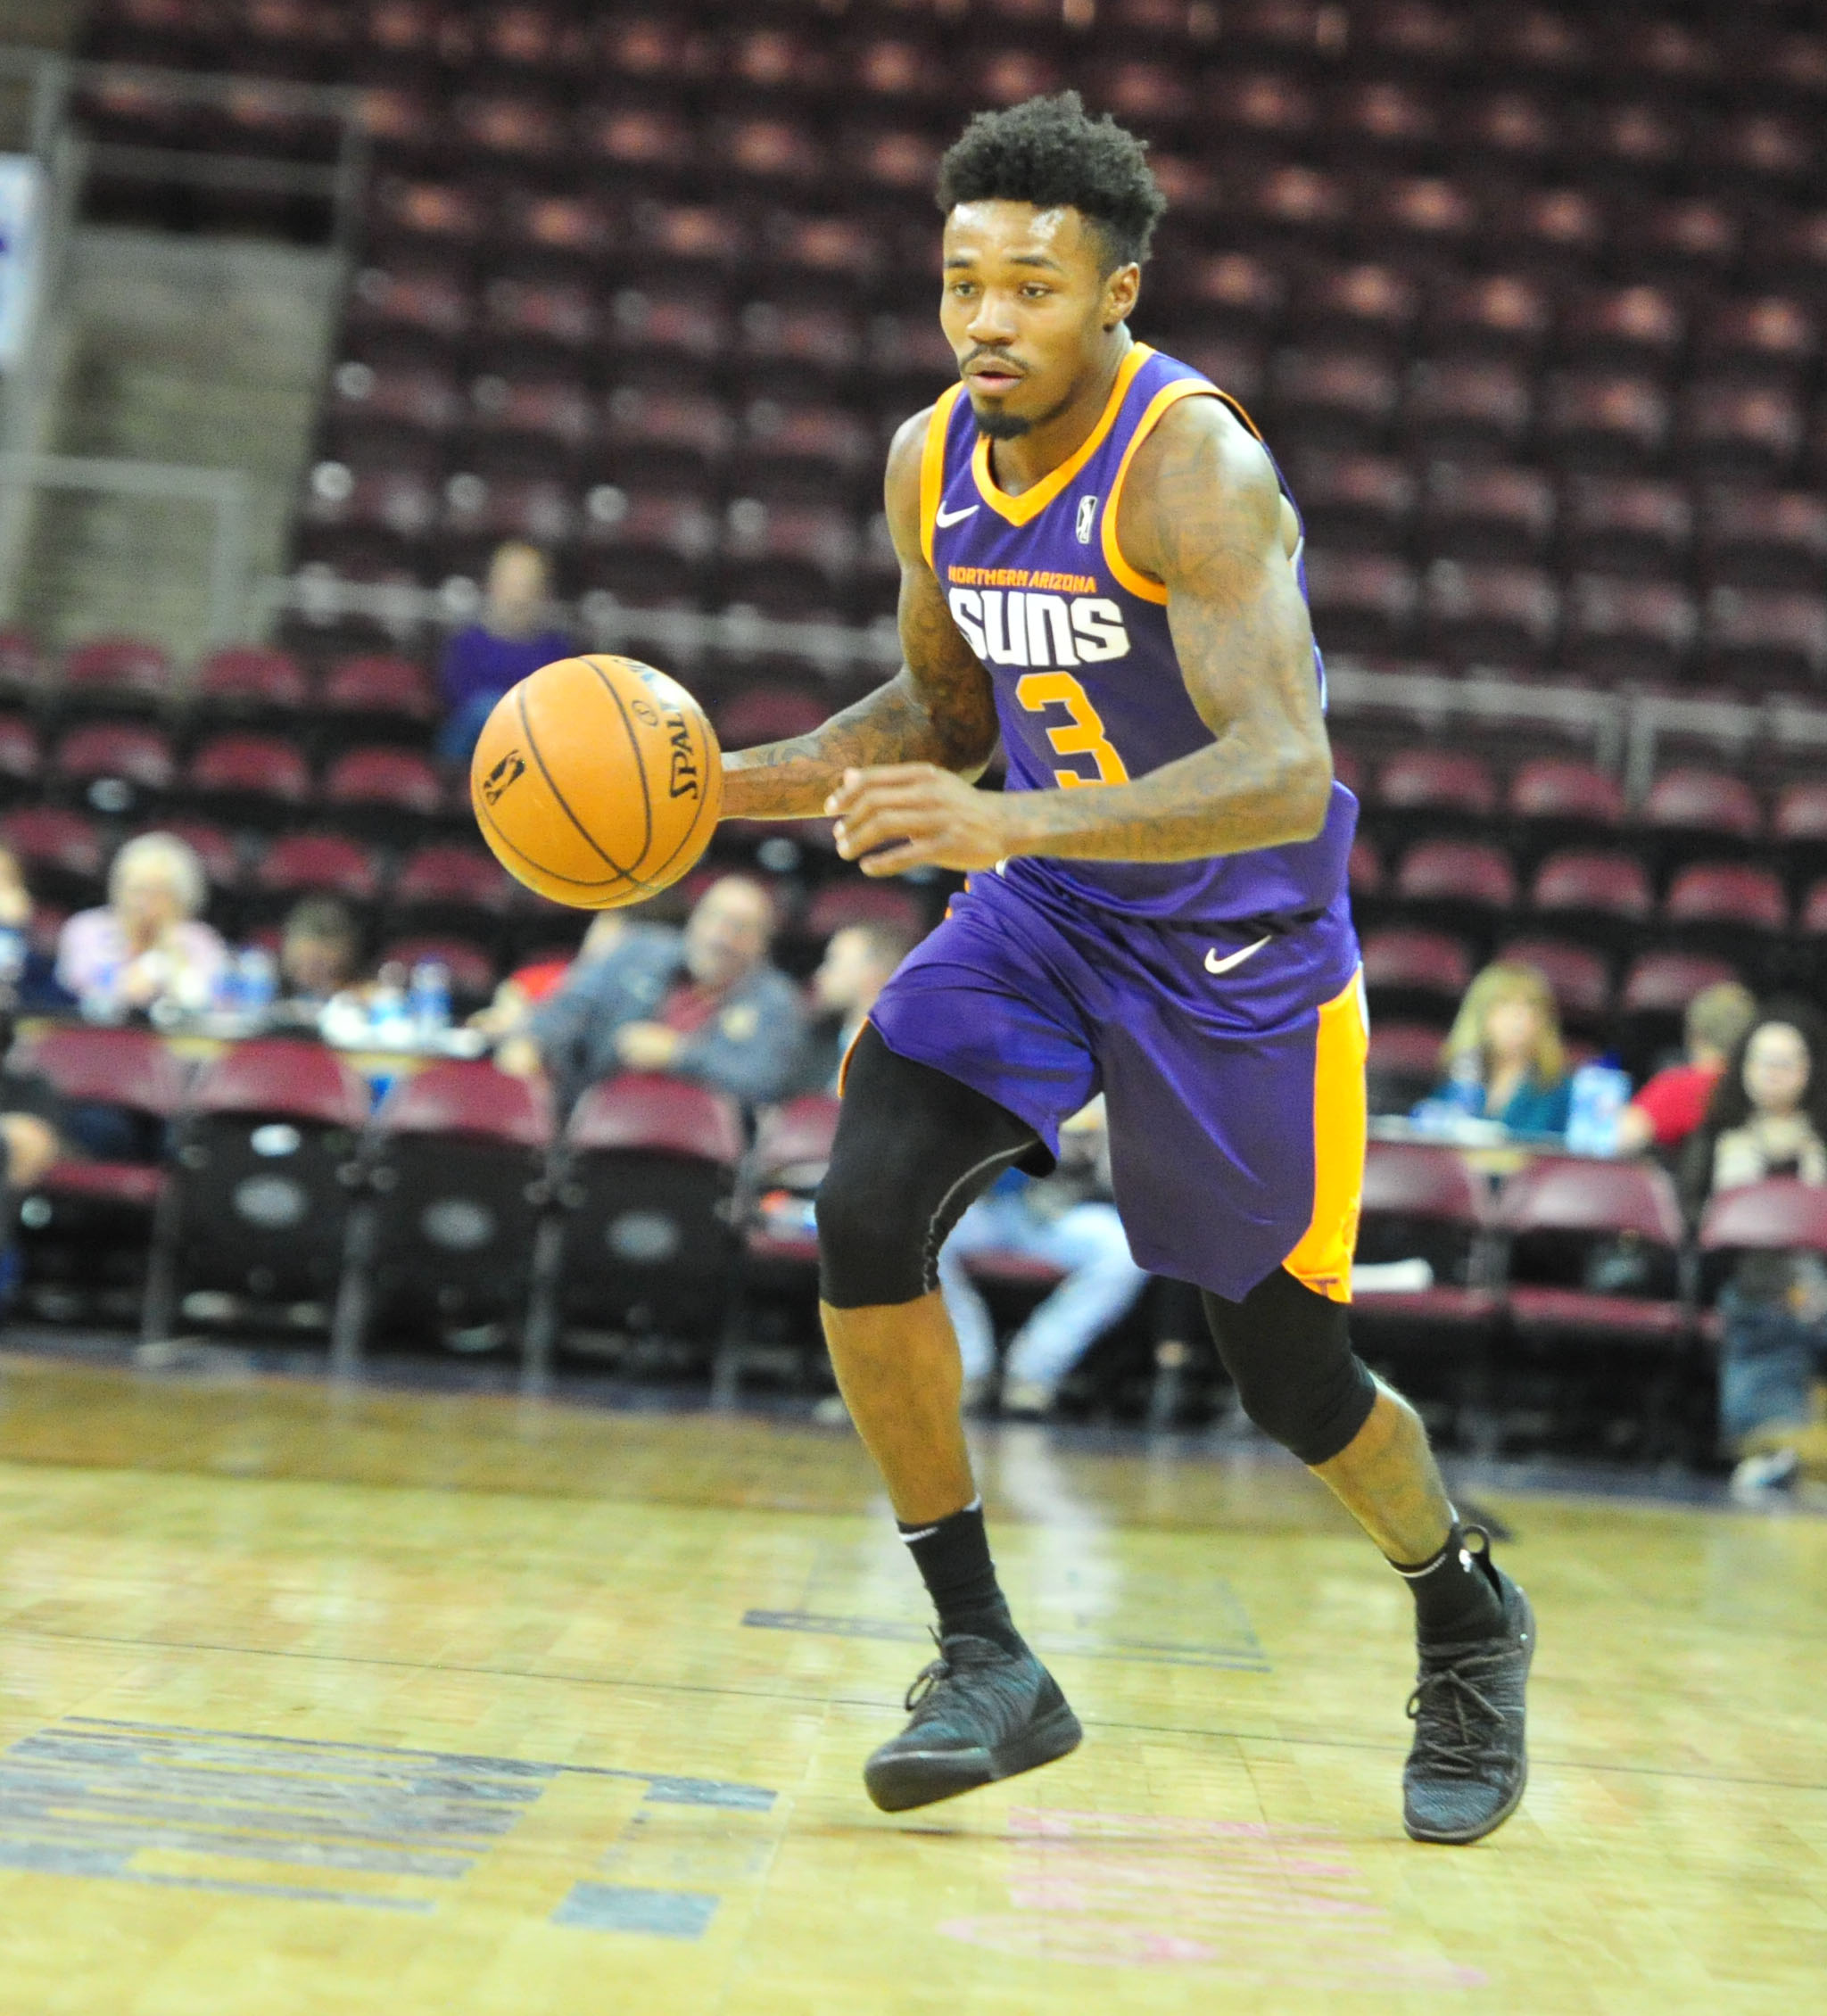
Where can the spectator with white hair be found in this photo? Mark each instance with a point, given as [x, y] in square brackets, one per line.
[147, 950]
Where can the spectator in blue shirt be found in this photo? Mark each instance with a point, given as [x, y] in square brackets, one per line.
[498, 651]
[1504, 1058]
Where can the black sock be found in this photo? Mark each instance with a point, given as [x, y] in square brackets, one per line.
[952, 1557]
[1455, 1590]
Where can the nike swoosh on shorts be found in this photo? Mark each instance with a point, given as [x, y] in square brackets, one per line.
[1214, 964]
[943, 517]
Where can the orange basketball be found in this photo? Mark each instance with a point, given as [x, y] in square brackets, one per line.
[598, 781]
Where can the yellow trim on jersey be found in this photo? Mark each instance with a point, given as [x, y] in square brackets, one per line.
[932, 465]
[1139, 585]
[1322, 1261]
[1032, 502]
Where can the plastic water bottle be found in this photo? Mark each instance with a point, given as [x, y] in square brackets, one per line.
[1464, 1090]
[13, 947]
[1596, 1101]
[428, 1002]
[389, 1024]
[257, 981]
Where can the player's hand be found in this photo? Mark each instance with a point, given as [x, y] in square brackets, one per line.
[916, 815]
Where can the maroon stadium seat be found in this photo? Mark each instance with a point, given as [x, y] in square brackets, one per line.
[768, 714]
[20, 756]
[1420, 1201]
[1641, 324]
[387, 790]
[1610, 888]
[1457, 878]
[1505, 315]
[318, 864]
[1361, 601]
[1626, 524]
[1362, 501]
[1798, 824]
[1654, 996]
[1764, 537]
[377, 688]
[1693, 239]
[1466, 406]
[248, 680]
[1767, 637]
[546, 407]
[1493, 512]
[1364, 874]
[409, 295]
[1769, 337]
[1576, 974]
[1403, 1066]
[22, 671]
[1739, 432]
[1365, 306]
[214, 846]
[1559, 791]
[1730, 894]
[1235, 291]
[1557, 232]
[1779, 1215]
[298, 1080]
[1604, 420]
[1436, 781]
[1415, 974]
[1812, 920]
[1484, 612]
[453, 879]
[59, 852]
[111, 755]
[117, 671]
[1708, 804]
[1620, 630]
[792, 1147]
[132, 1068]
[1517, 129]
[256, 775]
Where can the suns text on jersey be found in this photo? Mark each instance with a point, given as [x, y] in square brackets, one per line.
[1019, 617]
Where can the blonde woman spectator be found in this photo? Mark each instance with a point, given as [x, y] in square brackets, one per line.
[147, 950]
[1504, 1060]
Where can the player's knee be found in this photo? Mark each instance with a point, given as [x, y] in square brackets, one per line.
[1289, 1351]
[870, 1247]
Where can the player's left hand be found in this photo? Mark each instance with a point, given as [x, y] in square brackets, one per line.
[907, 815]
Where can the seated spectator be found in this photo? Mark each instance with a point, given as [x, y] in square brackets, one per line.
[319, 952]
[703, 1003]
[858, 963]
[28, 984]
[147, 951]
[1067, 1220]
[506, 643]
[1768, 1118]
[510, 1008]
[1503, 1057]
[1672, 1103]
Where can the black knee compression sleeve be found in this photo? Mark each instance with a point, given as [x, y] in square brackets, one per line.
[1289, 1353]
[914, 1147]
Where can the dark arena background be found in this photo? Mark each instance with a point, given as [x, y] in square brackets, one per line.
[437, 1573]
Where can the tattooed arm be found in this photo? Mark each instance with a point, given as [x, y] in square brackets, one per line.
[936, 710]
[1202, 513]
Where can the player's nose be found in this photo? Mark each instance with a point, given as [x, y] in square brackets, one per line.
[993, 324]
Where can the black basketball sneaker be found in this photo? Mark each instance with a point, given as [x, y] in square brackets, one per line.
[980, 1713]
[1468, 1766]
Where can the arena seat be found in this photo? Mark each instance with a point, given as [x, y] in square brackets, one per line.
[644, 1176]
[1767, 637]
[115, 674]
[1691, 812]
[1403, 1065]
[1799, 826]
[1486, 612]
[1557, 798]
[1415, 974]
[1577, 975]
[1331, 398]
[23, 674]
[1471, 406]
[453, 1186]
[1764, 537]
[1777, 1216]
[250, 683]
[1437, 782]
[87, 1224]
[259, 1200]
[1635, 527]
[1363, 601]
[1654, 997]
[1593, 1265]
[117, 766]
[59, 852]
[1455, 884]
[448, 887]
[1423, 1203]
[1620, 631]
[318, 864]
[262, 780]
[1598, 420]
[1360, 501]
[387, 793]
[21, 758]
[1487, 512]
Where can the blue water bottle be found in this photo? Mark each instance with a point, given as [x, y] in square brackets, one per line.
[428, 1000]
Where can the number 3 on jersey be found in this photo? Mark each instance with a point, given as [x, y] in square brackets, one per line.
[1084, 736]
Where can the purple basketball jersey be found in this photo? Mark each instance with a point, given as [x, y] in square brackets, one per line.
[1089, 688]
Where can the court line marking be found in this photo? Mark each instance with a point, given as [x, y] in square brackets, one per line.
[1272, 1737]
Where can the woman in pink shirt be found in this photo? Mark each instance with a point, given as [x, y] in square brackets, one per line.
[147, 949]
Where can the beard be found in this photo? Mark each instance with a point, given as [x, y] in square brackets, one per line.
[1000, 426]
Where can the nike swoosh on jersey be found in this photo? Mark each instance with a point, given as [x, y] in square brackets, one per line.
[943, 517]
[1214, 964]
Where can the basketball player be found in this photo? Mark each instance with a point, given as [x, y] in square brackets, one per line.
[1100, 563]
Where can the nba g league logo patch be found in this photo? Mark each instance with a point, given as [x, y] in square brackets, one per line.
[507, 771]
[1088, 518]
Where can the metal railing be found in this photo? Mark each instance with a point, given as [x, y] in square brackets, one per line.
[1623, 731]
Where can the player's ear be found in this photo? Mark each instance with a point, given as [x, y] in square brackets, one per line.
[1120, 293]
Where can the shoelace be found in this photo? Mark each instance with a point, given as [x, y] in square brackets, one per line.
[1443, 1696]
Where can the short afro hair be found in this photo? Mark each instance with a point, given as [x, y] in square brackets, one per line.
[1050, 153]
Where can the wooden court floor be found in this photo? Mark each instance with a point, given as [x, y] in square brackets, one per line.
[315, 1701]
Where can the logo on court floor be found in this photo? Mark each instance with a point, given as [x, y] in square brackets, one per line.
[1087, 519]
